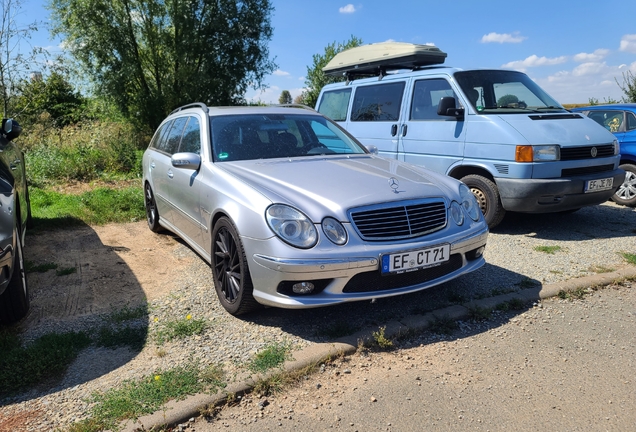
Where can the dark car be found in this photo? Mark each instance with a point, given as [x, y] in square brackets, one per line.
[15, 211]
[620, 119]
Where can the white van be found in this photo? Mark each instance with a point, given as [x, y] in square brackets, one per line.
[496, 130]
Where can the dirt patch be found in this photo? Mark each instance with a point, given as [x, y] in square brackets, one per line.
[108, 267]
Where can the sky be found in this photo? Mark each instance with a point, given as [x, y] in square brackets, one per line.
[574, 50]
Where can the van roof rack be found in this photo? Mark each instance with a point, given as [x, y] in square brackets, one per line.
[378, 58]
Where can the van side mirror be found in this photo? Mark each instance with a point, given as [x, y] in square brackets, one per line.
[11, 129]
[448, 107]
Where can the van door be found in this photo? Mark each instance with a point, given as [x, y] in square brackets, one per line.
[428, 139]
[375, 115]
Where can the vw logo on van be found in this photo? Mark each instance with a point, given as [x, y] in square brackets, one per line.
[594, 152]
[394, 184]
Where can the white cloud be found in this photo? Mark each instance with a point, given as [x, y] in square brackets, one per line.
[628, 43]
[271, 94]
[597, 55]
[535, 61]
[347, 9]
[279, 72]
[502, 38]
[302, 78]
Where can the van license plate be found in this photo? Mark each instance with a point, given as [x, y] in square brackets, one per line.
[414, 260]
[599, 185]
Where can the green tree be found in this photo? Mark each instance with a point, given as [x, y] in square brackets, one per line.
[628, 86]
[151, 56]
[15, 62]
[285, 97]
[316, 79]
[54, 96]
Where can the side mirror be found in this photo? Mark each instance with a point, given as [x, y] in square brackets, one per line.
[372, 149]
[448, 107]
[186, 161]
[11, 129]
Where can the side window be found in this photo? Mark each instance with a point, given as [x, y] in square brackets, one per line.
[379, 102]
[426, 97]
[631, 121]
[610, 120]
[334, 104]
[191, 141]
[171, 143]
[159, 135]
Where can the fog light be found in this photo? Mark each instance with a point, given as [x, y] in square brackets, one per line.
[303, 288]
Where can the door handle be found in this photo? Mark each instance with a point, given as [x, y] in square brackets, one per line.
[393, 130]
[404, 128]
[152, 164]
[170, 174]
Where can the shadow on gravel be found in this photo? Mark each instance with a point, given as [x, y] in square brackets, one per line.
[76, 282]
[603, 221]
[332, 322]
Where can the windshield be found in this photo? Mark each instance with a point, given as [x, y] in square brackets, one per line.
[267, 136]
[504, 92]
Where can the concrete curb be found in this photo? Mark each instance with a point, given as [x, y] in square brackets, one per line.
[177, 412]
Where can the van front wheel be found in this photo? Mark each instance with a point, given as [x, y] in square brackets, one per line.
[487, 195]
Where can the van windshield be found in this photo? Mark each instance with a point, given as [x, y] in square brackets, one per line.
[504, 92]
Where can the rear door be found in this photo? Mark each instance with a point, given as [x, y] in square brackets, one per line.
[375, 115]
[428, 139]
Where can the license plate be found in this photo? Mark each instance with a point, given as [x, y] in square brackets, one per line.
[414, 260]
[599, 185]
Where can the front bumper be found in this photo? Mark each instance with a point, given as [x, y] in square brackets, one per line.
[355, 278]
[555, 194]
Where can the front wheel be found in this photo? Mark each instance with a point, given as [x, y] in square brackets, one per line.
[230, 271]
[14, 301]
[487, 195]
[626, 193]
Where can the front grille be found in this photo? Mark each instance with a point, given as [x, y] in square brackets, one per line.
[578, 153]
[399, 220]
[586, 170]
[374, 281]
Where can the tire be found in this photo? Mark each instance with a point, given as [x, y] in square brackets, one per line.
[230, 271]
[487, 195]
[152, 214]
[626, 193]
[14, 301]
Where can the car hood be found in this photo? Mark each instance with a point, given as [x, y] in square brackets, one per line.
[329, 186]
[559, 129]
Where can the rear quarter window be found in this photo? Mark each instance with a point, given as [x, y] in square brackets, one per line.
[334, 104]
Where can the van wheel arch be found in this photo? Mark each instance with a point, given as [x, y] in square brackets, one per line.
[486, 192]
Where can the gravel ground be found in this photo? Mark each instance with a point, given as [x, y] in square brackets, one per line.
[591, 241]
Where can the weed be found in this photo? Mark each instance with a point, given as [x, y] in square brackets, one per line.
[180, 329]
[547, 249]
[516, 303]
[66, 271]
[576, 294]
[556, 272]
[456, 298]
[381, 340]
[629, 257]
[127, 314]
[134, 337]
[478, 313]
[526, 282]
[269, 357]
[31, 267]
[600, 269]
[46, 357]
[503, 306]
[443, 325]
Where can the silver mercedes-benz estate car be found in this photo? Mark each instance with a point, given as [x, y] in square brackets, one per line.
[291, 211]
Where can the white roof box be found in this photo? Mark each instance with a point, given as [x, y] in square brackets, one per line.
[377, 58]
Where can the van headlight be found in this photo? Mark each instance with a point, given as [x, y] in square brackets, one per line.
[469, 203]
[537, 153]
[291, 226]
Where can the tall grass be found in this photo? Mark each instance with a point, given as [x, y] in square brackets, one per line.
[82, 152]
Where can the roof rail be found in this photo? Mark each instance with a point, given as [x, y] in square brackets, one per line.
[201, 105]
[295, 105]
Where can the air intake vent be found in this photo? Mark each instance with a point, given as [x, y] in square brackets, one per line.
[501, 169]
[399, 220]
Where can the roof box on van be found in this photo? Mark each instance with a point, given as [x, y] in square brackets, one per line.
[377, 58]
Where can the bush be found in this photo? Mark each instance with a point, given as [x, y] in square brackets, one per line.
[82, 152]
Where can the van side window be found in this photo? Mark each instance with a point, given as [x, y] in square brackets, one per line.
[380, 102]
[171, 142]
[334, 104]
[426, 96]
[191, 141]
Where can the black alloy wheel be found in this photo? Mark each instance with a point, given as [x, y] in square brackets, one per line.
[14, 301]
[152, 215]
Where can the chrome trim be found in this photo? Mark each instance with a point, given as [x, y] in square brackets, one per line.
[289, 265]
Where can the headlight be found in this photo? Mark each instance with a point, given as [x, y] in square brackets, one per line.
[469, 203]
[291, 226]
[456, 213]
[334, 231]
[537, 153]
[617, 147]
